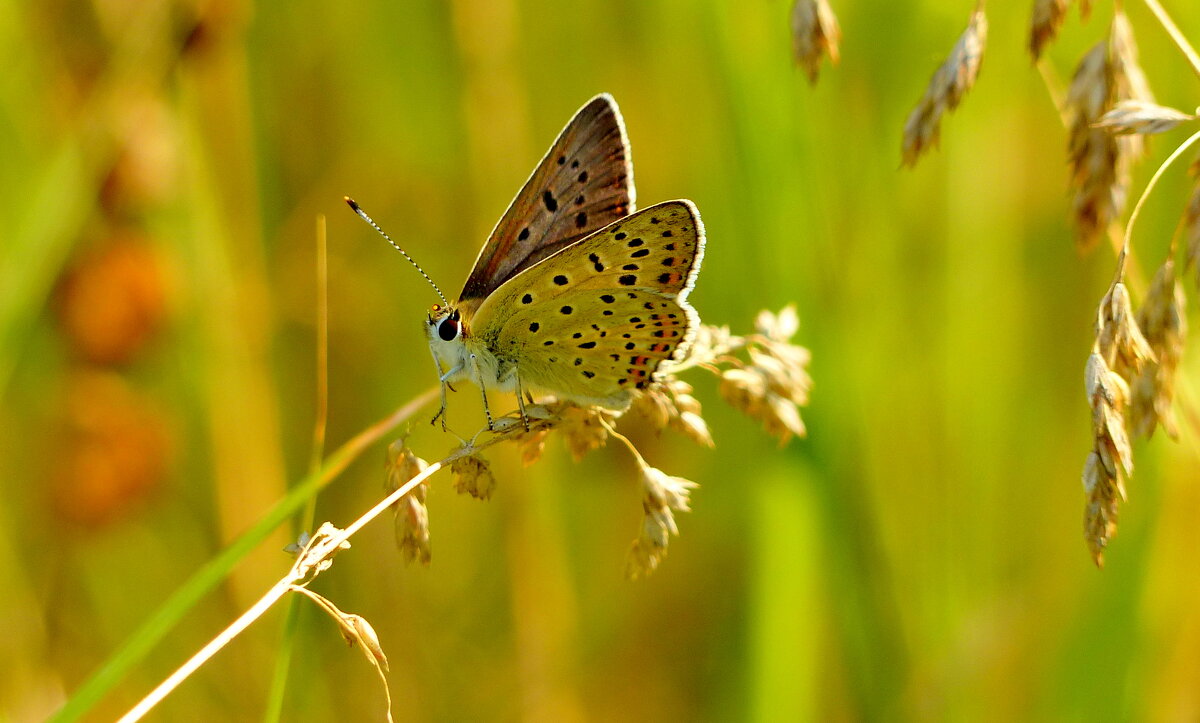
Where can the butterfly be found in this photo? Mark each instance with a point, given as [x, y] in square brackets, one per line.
[573, 294]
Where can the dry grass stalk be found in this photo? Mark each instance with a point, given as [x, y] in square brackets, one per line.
[946, 89]
[1163, 319]
[815, 34]
[1140, 117]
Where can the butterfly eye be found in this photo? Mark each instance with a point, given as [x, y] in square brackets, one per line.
[449, 328]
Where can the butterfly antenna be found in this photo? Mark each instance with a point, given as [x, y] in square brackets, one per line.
[368, 219]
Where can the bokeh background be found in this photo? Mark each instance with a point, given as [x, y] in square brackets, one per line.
[918, 556]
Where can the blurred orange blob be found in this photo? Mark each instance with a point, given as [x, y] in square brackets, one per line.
[114, 452]
[113, 301]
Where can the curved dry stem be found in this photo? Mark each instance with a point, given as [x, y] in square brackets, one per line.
[312, 561]
[1137, 209]
[1176, 37]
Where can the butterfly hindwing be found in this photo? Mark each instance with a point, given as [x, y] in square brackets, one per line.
[583, 183]
[597, 319]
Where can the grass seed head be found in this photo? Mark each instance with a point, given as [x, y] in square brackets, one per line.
[1163, 319]
[1044, 23]
[662, 496]
[815, 34]
[1111, 458]
[473, 476]
[1120, 340]
[946, 89]
[411, 516]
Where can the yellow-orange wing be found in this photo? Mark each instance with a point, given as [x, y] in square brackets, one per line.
[594, 321]
[584, 182]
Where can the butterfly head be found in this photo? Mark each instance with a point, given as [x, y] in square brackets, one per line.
[444, 323]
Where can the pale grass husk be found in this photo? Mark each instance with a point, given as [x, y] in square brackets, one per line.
[411, 516]
[952, 80]
[815, 35]
[1140, 117]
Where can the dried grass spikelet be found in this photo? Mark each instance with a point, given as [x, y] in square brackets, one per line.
[1191, 226]
[1118, 336]
[1046, 19]
[815, 33]
[1111, 459]
[669, 403]
[1121, 353]
[776, 381]
[946, 89]
[1129, 80]
[473, 476]
[1163, 319]
[1099, 168]
[1108, 74]
[1139, 117]
[584, 428]
[411, 514]
[662, 496]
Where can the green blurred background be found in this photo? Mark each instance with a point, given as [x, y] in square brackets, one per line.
[919, 556]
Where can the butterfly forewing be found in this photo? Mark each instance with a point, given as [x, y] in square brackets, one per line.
[584, 183]
[596, 320]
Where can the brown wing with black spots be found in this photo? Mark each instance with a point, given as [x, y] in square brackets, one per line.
[583, 183]
[597, 319]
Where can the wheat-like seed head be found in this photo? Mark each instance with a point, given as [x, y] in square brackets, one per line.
[1129, 81]
[1099, 168]
[815, 34]
[1044, 23]
[1108, 74]
[1163, 318]
[1118, 336]
[946, 89]
[1111, 458]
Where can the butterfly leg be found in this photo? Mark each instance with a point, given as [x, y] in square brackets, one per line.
[479, 377]
[443, 377]
[521, 399]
